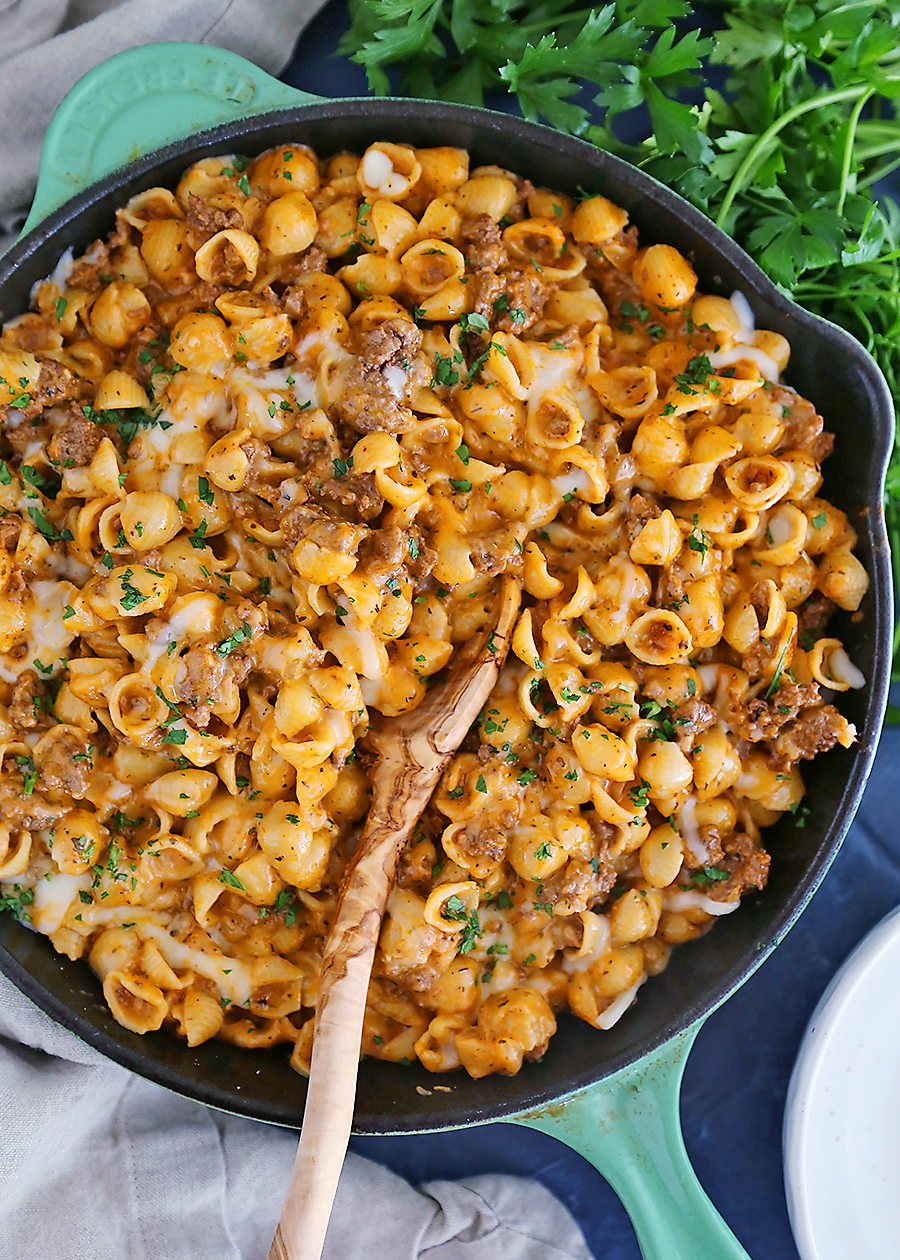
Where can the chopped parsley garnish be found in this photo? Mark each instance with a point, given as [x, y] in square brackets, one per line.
[779, 670]
[29, 774]
[17, 902]
[697, 372]
[444, 371]
[227, 646]
[121, 821]
[229, 877]
[698, 539]
[131, 596]
[708, 875]
[631, 311]
[454, 911]
[128, 421]
[476, 321]
[640, 795]
[197, 538]
[800, 812]
[44, 527]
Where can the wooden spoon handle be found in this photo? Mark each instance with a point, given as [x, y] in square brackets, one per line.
[343, 988]
[412, 755]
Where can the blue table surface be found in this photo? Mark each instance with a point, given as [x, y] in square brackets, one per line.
[737, 1076]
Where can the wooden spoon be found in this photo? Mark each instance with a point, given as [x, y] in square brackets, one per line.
[411, 753]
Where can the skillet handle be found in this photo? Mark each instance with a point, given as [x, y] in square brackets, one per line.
[629, 1128]
[139, 101]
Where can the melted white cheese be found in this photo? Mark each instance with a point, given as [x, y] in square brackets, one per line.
[53, 898]
[372, 659]
[233, 976]
[172, 480]
[378, 171]
[46, 627]
[690, 832]
[766, 364]
[552, 368]
[396, 380]
[693, 899]
[744, 347]
[843, 670]
[618, 1006]
[575, 480]
[573, 961]
[780, 529]
[194, 616]
[744, 312]
[63, 269]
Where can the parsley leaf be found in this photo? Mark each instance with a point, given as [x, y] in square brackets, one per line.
[454, 911]
[227, 646]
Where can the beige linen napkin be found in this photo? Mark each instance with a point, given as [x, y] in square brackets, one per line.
[99, 1164]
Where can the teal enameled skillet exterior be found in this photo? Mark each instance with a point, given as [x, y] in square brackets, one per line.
[138, 120]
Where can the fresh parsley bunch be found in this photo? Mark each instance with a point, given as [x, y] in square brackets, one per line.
[787, 159]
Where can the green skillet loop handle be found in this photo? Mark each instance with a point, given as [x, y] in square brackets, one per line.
[140, 100]
[629, 1128]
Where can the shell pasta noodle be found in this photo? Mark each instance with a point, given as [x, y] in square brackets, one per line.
[266, 453]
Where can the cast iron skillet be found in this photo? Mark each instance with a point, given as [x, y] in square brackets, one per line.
[140, 100]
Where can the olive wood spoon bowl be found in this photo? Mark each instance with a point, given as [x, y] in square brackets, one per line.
[411, 752]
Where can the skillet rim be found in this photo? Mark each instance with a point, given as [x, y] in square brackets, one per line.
[524, 1092]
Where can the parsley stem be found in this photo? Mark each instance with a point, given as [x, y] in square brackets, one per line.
[875, 139]
[848, 147]
[743, 172]
[880, 172]
[541, 23]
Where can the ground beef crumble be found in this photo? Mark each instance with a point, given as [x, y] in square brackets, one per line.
[55, 385]
[204, 221]
[75, 445]
[814, 730]
[763, 718]
[747, 864]
[389, 371]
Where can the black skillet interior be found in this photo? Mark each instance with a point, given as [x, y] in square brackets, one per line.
[827, 366]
